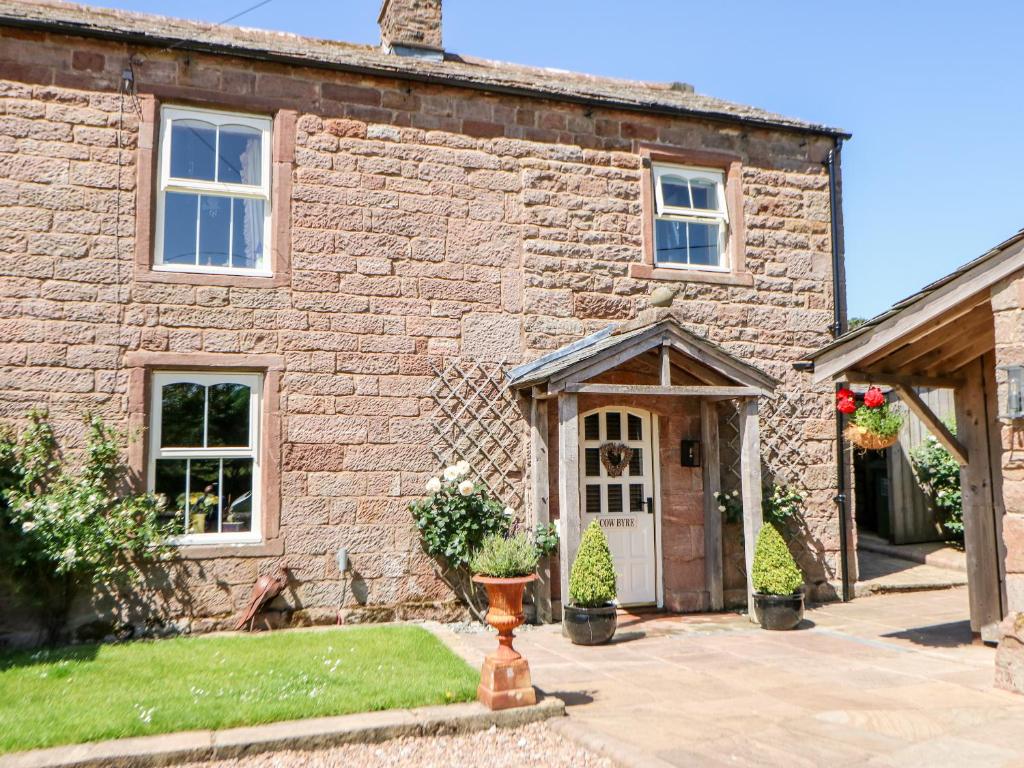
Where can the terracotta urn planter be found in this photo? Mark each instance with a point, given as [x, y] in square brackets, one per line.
[505, 677]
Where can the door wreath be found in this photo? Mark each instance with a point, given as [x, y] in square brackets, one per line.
[615, 457]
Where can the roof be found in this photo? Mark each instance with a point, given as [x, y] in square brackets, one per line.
[923, 306]
[152, 30]
[652, 328]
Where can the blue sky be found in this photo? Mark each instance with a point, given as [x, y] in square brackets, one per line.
[929, 91]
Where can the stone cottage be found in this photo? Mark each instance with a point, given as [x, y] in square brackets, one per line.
[306, 274]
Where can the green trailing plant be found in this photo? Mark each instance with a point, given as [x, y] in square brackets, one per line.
[939, 475]
[592, 579]
[781, 504]
[65, 529]
[775, 572]
[505, 557]
[884, 421]
[545, 537]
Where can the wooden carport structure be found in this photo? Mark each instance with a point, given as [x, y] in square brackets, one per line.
[946, 336]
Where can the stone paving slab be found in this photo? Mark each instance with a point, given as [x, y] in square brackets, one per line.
[314, 733]
[878, 682]
[882, 574]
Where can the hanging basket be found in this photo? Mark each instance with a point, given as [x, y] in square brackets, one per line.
[869, 441]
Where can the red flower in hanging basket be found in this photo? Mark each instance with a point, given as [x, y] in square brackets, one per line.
[873, 398]
[846, 405]
[844, 394]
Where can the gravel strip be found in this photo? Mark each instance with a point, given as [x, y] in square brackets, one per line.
[531, 746]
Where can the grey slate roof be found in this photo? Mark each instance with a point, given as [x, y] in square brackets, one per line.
[146, 29]
[920, 295]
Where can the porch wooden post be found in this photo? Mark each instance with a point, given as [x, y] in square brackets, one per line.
[539, 498]
[976, 411]
[750, 488]
[712, 516]
[568, 487]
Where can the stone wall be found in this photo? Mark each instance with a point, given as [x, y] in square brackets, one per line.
[425, 223]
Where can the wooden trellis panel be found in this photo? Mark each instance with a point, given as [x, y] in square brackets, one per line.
[476, 419]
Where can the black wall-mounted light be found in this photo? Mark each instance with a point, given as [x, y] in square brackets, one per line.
[689, 453]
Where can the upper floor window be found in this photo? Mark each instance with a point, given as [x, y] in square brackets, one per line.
[213, 204]
[691, 220]
[204, 457]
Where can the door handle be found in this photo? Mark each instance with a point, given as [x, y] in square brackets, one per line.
[650, 505]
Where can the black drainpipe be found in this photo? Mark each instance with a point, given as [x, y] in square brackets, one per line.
[838, 327]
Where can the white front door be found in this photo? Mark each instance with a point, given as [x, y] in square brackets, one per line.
[617, 490]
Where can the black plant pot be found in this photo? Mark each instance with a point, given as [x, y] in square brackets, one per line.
[589, 626]
[779, 611]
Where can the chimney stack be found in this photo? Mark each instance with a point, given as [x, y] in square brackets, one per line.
[411, 28]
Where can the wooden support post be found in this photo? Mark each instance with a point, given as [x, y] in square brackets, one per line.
[927, 416]
[539, 499]
[713, 570]
[569, 512]
[666, 367]
[975, 416]
[750, 488]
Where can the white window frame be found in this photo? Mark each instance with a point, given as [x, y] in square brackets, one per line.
[166, 183]
[695, 215]
[254, 381]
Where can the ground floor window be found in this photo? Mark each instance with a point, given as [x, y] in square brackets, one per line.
[204, 457]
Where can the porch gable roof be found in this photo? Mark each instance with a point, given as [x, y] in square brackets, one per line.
[615, 344]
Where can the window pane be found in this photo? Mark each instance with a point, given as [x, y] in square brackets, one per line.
[670, 241]
[703, 243]
[192, 149]
[675, 192]
[236, 499]
[180, 228]
[636, 462]
[239, 158]
[613, 425]
[705, 194]
[636, 427]
[591, 427]
[614, 499]
[593, 462]
[636, 497]
[214, 230]
[181, 415]
[247, 240]
[228, 416]
[593, 499]
[204, 479]
[169, 485]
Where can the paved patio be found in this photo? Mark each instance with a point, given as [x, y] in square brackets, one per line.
[889, 680]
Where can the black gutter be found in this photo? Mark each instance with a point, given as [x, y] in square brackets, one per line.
[838, 326]
[261, 54]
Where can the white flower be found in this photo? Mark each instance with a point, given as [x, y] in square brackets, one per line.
[69, 555]
[509, 512]
[463, 467]
[735, 493]
[721, 508]
[433, 485]
[27, 526]
[466, 487]
[451, 473]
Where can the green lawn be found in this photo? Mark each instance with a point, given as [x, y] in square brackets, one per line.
[90, 692]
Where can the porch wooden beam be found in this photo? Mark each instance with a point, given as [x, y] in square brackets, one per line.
[750, 489]
[666, 367]
[539, 499]
[900, 380]
[569, 513]
[658, 389]
[920, 409]
[713, 561]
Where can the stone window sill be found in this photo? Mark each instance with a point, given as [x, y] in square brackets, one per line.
[271, 548]
[647, 272]
[145, 274]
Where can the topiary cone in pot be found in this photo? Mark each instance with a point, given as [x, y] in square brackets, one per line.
[778, 582]
[590, 617]
[504, 566]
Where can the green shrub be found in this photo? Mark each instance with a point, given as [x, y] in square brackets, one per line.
[884, 421]
[939, 474]
[592, 579]
[775, 570]
[780, 504]
[505, 557]
[65, 529]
